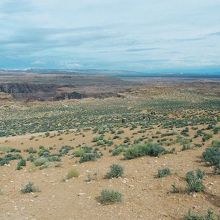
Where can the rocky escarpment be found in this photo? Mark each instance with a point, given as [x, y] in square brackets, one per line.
[13, 88]
[44, 92]
[32, 86]
[24, 91]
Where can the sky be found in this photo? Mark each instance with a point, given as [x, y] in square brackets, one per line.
[141, 35]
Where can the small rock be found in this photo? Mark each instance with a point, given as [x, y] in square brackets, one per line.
[81, 194]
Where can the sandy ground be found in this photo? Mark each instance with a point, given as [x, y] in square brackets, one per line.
[144, 196]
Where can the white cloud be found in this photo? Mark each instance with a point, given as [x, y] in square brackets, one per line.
[110, 33]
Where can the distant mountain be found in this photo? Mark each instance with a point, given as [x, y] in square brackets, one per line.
[117, 73]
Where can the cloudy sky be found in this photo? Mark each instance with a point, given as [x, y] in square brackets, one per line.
[141, 35]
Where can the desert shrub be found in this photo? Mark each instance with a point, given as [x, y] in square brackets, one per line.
[199, 133]
[198, 145]
[40, 161]
[194, 128]
[200, 174]
[209, 127]
[206, 137]
[82, 150]
[118, 150]
[150, 149]
[185, 131]
[9, 157]
[89, 157]
[183, 141]
[21, 163]
[100, 142]
[13, 150]
[212, 156]
[110, 197]
[216, 130]
[115, 171]
[163, 172]
[138, 140]
[87, 154]
[209, 216]
[31, 158]
[171, 133]
[216, 143]
[28, 188]
[195, 181]
[72, 173]
[109, 142]
[98, 138]
[186, 147]
[31, 150]
[65, 150]
[53, 158]
[3, 161]
[43, 151]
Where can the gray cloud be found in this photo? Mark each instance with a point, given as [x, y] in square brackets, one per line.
[118, 34]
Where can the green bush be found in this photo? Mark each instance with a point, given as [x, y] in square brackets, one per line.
[200, 174]
[13, 150]
[65, 150]
[40, 161]
[28, 188]
[43, 151]
[212, 156]
[83, 150]
[89, 157]
[72, 173]
[206, 137]
[118, 150]
[163, 172]
[87, 154]
[150, 149]
[110, 197]
[31, 158]
[195, 181]
[115, 171]
[31, 150]
[185, 131]
[98, 138]
[209, 216]
[9, 157]
[198, 145]
[53, 158]
[216, 143]
[216, 130]
[21, 163]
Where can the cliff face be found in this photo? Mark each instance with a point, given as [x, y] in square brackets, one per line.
[27, 91]
[33, 86]
[13, 88]
[43, 92]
